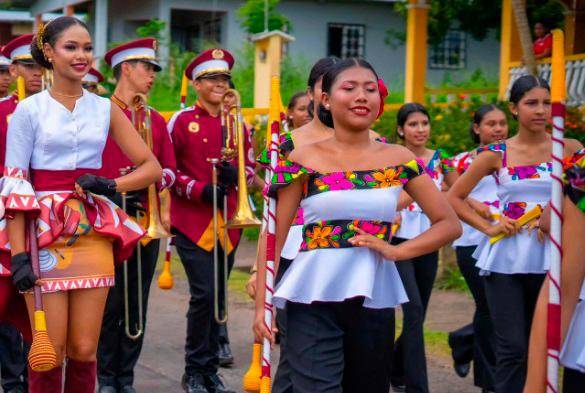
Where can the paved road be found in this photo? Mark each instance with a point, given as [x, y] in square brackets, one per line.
[161, 364]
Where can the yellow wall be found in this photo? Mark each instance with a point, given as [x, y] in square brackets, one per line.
[416, 50]
[267, 61]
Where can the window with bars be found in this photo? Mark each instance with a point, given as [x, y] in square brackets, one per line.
[451, 54]
[346, 40]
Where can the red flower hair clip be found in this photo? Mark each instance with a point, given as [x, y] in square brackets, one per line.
[383, 94]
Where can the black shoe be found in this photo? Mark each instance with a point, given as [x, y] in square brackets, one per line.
[462, 369]
[215, 385]
[128, 389]
[194, 384]
[224, 353]
[107, 389]
[398, 388]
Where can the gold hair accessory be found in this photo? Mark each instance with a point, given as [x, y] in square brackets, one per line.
[40, 36]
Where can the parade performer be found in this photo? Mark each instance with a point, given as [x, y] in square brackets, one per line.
[14, 319]
[55, 140]
[91, 80]
[5, 77]
[418, 275]
[134, 65]
[197, 138]
[515, 266]
[476, 341]
[339, 294]
[572, 288]
[298, 110]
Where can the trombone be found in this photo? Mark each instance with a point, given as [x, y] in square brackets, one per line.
[233, 138]
[154, 230]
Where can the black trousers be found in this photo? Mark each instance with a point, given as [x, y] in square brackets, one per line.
[203, 331]
[117, 354]
[339, 347]
[511, 299]
[13, 353]
[409, 365]
[478, 342]
[573, 381]
[282, 381]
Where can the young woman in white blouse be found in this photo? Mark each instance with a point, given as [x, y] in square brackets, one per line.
[339, 294]
[55, 142]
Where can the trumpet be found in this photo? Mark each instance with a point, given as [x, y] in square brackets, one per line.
[154, 228]
[233, 147]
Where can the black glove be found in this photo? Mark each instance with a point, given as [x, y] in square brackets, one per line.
[97, 184]
[22, 273]
[228, 175]
[207, 194]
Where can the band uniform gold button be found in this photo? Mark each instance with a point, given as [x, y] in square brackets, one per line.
[193, 127]
[204, 140]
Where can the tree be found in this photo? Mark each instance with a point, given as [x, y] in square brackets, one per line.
[475, 17]
[519, 8]
[252, 17]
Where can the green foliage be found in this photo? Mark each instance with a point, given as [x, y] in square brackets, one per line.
[475, 17]
[153, 28]
[251, 17]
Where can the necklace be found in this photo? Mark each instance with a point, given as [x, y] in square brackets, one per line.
[52, 91]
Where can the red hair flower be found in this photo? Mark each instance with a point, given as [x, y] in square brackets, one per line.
[383, 94]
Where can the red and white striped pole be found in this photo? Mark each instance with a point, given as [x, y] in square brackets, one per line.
[274, 119]
[554, 302]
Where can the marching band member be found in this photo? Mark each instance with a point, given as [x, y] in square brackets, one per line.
[12, 356]
[135, 69]
[515, 266]
[489, 126]
[5, 77]
[92, 80]
[55, 140]
[418, 275]
[340, 337]
[197, 138]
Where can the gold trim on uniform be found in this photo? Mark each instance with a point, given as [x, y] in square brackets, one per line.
[22, 57]
[212, 71]
[193, 127]
[139, 57]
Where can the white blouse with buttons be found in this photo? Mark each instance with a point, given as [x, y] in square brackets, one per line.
[44, 134]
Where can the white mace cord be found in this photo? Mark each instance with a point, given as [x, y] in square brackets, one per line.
[554, 274]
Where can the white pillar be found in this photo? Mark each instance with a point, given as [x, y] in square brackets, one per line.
[101, 28]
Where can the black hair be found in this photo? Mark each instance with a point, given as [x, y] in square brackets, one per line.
[295, 98]
[478, 118]
[231, 84]
[317, 71]
[407, 110]
[330, 77]
[51, 34]
[117, 70]
[524, 84]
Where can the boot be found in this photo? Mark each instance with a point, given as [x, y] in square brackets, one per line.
[80, 377]
[45, 382]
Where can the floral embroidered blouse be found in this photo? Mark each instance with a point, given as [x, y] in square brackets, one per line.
[328, 267]
[520, 189]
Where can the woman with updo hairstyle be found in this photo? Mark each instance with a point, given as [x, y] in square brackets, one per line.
[489, 125]
[297, 112]
[341, 289]
[515, 266]
[418, 275]
[55, 142]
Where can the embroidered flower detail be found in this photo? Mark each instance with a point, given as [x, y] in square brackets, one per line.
[336, 181]
[523, 172]
[515, 210]
[323, 236]
[389, 177]
[374, 228]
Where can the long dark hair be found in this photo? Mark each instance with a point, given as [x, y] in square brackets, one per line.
[407, 110]
[317, 71]
[524, 84]
[330, 77]
[50, 35]
[478, 118]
